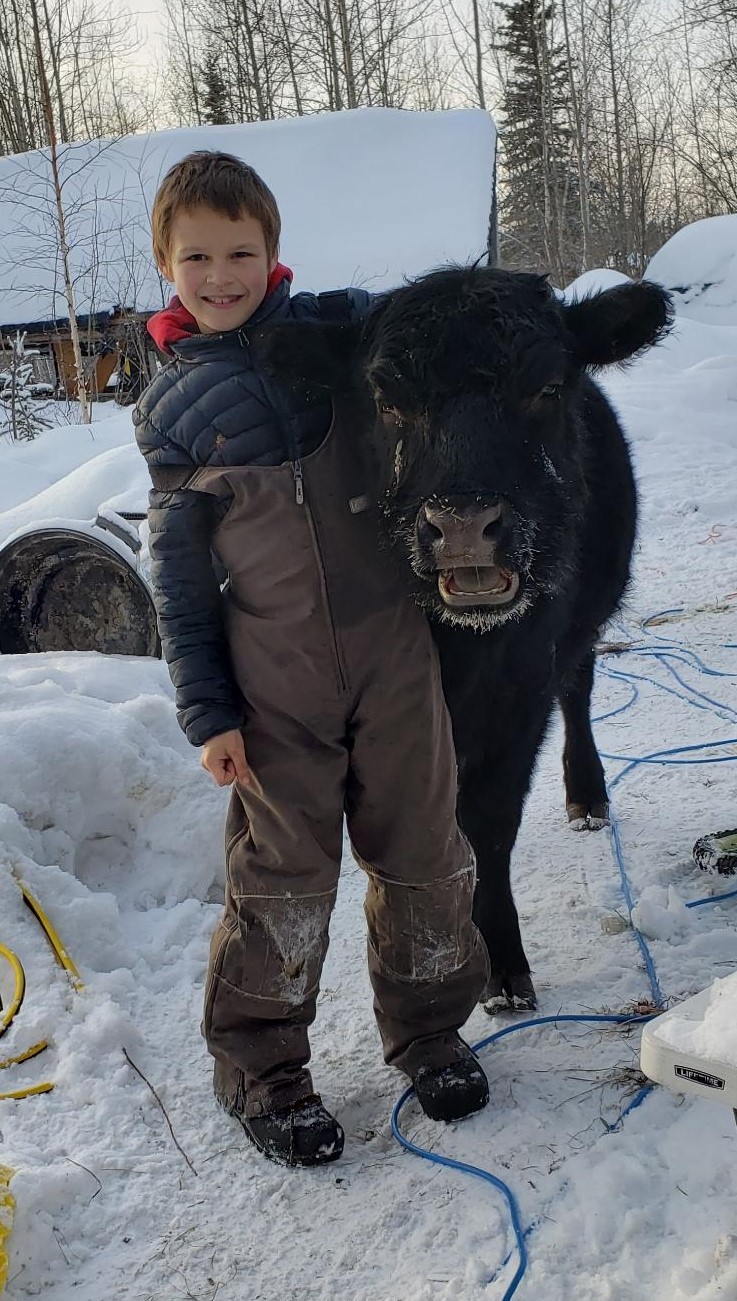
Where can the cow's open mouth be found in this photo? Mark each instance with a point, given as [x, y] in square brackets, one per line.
[478, 585]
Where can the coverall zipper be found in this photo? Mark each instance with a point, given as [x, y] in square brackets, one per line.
[299, 494]
[299, 485]
[292, 446]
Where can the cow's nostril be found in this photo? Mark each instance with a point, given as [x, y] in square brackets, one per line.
[433, 532]
[492, 517]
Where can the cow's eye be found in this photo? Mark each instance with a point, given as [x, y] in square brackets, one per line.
[392, 412]
[550, 391]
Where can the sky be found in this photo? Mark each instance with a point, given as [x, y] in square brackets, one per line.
[152, 22]
[107, 817]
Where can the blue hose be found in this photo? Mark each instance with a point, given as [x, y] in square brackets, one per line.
[438, 1159]
[698, 700]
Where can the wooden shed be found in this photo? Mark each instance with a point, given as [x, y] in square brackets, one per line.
[119, 356]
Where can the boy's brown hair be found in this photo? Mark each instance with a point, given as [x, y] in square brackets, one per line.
[214, 180]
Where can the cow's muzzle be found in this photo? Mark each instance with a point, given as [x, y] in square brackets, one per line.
[465, 540]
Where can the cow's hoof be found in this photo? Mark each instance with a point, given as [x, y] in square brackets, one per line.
[509, 994]
[585, 817]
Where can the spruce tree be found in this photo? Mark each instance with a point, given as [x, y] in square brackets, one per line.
[538, 201]
[214, 95]
[20, 415]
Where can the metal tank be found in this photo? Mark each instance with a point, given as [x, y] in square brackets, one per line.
[63, 589]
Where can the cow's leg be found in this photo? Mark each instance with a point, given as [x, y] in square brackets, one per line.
[491, 795]
[586, 798]
[492, 832]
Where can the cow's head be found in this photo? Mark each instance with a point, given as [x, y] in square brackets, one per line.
[470, 383]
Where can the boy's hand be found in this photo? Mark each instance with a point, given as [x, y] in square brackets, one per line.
[224, 757]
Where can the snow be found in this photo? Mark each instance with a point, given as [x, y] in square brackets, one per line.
[712, 1035]
[43, 463]
[417, 186]
[107, 817]
[699, 263]
[593, 282]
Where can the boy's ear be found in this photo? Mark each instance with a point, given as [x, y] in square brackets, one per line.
[309, 356]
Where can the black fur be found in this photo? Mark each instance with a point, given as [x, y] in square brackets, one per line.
[472, 386]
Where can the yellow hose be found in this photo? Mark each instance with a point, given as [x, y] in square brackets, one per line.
[19, 990]
[7, 1201]
[23, 1057]
[19, 987]
[28, 1092]
[7, 1210]
[53, 938]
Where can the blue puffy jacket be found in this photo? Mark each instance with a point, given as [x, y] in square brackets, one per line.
[213, 406]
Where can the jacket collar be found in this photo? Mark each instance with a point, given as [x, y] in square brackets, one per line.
[173, 328]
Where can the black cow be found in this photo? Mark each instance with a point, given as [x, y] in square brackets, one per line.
[506, 482]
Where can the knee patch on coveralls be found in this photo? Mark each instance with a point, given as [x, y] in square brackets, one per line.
[421, 933]
[271, 949]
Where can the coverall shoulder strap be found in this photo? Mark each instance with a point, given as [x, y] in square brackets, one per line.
[335, 305]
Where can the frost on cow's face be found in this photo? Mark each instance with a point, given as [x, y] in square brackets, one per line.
[479, 460]
[477, 378]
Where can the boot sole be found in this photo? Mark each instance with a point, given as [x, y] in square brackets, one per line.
[320, 1158]
[450, 1119]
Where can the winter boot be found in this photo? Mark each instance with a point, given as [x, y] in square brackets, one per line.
[454, 1091]
[302, 1134]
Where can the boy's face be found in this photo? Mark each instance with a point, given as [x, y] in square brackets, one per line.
[218, 267]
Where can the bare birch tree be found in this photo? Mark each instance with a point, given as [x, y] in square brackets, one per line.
[48, 109]
[85, 50]
[283, 57]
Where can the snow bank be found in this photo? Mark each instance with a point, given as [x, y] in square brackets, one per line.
[699, 265]
[593, 282]
[119, 473]
[35, 465]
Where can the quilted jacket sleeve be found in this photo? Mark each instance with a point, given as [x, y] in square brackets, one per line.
[187, 594]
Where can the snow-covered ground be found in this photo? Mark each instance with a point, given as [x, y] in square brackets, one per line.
[107, 817]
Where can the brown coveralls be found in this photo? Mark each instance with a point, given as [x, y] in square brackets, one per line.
[345, 714]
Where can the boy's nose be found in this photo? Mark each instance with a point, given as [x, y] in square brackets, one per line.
[218, 277]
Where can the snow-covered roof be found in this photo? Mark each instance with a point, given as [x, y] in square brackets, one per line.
[366, 197]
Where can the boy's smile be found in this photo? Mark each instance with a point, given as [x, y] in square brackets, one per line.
[219, 267]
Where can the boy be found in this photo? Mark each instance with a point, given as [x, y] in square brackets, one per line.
[311, 682]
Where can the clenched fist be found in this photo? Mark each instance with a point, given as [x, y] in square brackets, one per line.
[224, 757]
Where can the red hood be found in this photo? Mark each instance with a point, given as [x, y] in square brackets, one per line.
[175, 322]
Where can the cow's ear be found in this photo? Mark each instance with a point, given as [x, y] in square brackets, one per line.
[613, 326]
[309, 355]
